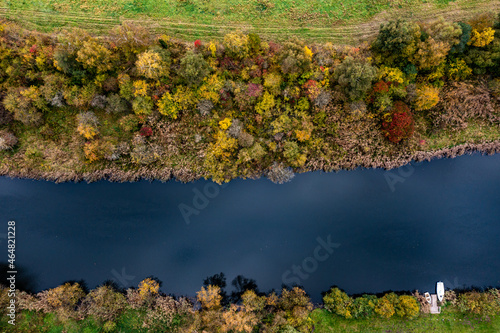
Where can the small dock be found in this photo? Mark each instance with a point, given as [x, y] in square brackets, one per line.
[435, 309]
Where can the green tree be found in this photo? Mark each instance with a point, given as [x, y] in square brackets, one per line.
[396, 42]
[193, 68]
[355, 76]
[338, 302]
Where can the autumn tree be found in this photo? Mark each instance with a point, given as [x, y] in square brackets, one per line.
[236, 45]
[338, 302]
[153, 64]
[7, 140]
[26, 104]
[130, 40]
[193, 68]
[64, 297]
[427, 97]
[210, 297]
[94, 56]
[396, 42]
[104, 303]
[384, 307]
[355, 76]
[430, 53]
[87, 123]
[399, 124]
[295, 57]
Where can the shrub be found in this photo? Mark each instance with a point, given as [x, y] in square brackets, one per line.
[87, 124]
[478, 303]
[398, 125]
[384, 307]
[338, 302]
[363, 307]
[7, 140]
[407, 307]
[427, 98]
[193, 68]
[355, 77]
[458, 70]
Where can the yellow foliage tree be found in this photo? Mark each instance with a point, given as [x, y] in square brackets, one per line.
[430, 53]
[237, 319]
[65, 296]
[481, 38]
[225, 123]
[458, 70]
[265, 105]
[148, 287]
[427, 98]
[140, 88]
[209, 298]
[167, 106]
[151, 65]
[95, 56]
[91, 151]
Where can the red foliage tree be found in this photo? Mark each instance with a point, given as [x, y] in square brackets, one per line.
[197, 43]
[380, 87]
[146, 131]
[400, 124]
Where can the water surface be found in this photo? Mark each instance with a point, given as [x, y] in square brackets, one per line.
[402, 229]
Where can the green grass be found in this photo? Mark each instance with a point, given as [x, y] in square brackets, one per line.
[347, 21]
[324, 322]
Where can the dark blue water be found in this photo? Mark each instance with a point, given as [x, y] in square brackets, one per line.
[363, 230]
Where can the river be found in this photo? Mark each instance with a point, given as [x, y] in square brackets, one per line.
[367, 230]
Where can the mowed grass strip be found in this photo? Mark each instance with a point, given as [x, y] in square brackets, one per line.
[342, 22]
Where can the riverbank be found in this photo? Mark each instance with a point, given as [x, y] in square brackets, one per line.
[184, 175]
[79, 107]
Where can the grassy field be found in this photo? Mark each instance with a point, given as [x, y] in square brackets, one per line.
[346, 22]
[324, 322]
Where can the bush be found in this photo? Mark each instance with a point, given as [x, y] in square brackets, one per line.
[355, 77]
[384, 307]
[338, 302]
[364, 307]
[7, 140]
[193, 68]
[205, 106]
[142, 105]
[296, 305]
[129, 123]
[478, 303]
[407, 307]
[64, 297]
[398, 125]
[236, 45]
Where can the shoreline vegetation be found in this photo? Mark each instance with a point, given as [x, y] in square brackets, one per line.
[132, 105]
[71, 307]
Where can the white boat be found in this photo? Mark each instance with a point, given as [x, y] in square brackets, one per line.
[428, 297]
[440, 291]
